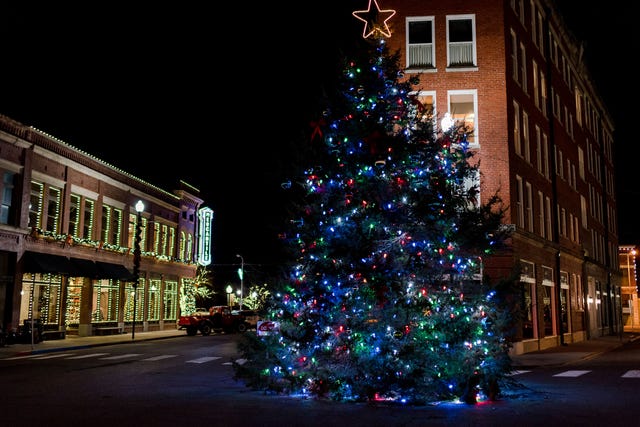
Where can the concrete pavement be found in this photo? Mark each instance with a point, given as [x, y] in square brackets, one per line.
[553, 356]
[72, 342]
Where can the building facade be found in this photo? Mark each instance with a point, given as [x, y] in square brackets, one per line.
[630, 304]
[513, 72]
[68, 227]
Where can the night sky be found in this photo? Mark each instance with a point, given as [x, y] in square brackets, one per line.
[173, 93]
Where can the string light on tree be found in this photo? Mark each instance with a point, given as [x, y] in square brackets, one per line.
[385, 298]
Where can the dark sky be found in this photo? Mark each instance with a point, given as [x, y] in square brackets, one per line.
[170, 93]
[216, 96]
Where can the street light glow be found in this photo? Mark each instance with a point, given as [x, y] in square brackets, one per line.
[241, 274]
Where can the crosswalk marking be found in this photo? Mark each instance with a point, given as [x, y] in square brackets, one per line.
[156, 358]
[86, 356]
[53, 356]
[633, 373]
[121, 356]
[202, 359]
[28, 356]
[571, 373]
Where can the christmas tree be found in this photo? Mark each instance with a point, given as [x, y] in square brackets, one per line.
[385, 298]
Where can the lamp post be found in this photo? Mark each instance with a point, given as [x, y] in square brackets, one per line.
[136, 263]
[229, 292]
[633, 306]
[241, 274]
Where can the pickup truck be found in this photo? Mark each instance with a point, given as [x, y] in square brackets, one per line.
[217, 318]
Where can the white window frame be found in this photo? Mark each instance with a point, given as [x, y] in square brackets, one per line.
[410, 47]
[474, 54]
[462, 96]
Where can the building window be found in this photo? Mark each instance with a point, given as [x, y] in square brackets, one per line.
[526, 150]
[519, 202]
[577, 292]
[461, 49]
[35, 204]
[183, 241]
[106, 223]
[189, 247]
[517, 144]
[170, 300]
[529, 207]
[163, 240]
[528, 281]
[425, 106]
[130, 294]
[41, 298]
[536, 85]
[514, 56]
[538, 148]
[87, 219]
[463, 107]
[523, 68]
[106, 301]
[116, 226]
[547, 210]
[420, 45]
[132, 231]
[153, 308]
[547, 300]
[541, 226]
[111, 225]
[472, 188]
[6, 213]
[564, 300]
[543, 93]
[74, 215]
[53, 210]
[545, 156]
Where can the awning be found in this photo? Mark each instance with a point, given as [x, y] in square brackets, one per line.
[84, 268]
[106, 270]
[36, 262]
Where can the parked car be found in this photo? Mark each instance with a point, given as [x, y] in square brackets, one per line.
[217, 318]
[251, 317]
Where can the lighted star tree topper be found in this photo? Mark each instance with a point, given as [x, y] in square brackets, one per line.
[375, 20]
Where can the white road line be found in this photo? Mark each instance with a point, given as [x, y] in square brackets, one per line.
[571, 373]
[202, 360]
[28, 356]
[153, 359]
[53, 356]
[518, 372]
[86, 356]
[122, 356]
[634, 373]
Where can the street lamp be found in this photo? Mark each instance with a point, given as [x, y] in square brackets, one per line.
[241, 274]
[633, 307]
[136, 263]
[229, 292]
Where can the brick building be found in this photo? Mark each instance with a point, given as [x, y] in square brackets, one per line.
[515, 74]
[68, 225]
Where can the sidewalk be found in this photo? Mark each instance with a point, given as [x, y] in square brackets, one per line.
[560, 355]
[74, 342]
[553, 356]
